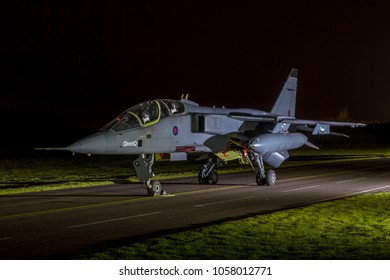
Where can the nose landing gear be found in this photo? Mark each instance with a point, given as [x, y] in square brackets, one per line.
[143, 169]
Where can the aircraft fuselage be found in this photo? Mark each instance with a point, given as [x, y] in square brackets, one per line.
[184, 132]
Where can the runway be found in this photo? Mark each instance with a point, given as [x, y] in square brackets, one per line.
[61, 224]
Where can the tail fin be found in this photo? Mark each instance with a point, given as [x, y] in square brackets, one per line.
[285, 104]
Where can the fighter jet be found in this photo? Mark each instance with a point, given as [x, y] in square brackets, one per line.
[183, 127]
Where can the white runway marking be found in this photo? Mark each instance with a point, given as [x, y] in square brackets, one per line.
[352, 180]
[353, 194]
[114, 220]
[224, 201]
[304, 188]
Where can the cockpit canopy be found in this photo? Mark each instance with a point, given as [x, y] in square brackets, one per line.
[145, 114]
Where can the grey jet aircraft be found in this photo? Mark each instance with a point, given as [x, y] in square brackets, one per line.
[182, 127]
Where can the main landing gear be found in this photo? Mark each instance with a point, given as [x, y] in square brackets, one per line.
[208, 173]
[143, 169]
[262, 177]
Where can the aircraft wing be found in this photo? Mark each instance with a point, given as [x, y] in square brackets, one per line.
[269, 118]
[330, 123]
[266, 118]
[320, 127]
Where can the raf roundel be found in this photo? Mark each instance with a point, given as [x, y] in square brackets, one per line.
[175, 130]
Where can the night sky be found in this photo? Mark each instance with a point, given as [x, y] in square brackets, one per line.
[68, 66]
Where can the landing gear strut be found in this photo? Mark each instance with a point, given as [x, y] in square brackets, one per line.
[143, 169]
[262, 177]
[208, 173]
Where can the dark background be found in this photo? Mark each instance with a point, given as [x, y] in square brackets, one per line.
[68, 68]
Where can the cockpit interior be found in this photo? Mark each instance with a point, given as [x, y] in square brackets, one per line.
[145, 114]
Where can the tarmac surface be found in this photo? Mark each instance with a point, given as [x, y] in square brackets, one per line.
[62, 224]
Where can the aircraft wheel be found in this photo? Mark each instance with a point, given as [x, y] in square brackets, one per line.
[214, 177]
[270, 177]
[201, 180]
[260, 181]
[156, 187]
[150, 192]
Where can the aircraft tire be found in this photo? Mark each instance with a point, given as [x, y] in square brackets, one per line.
[201, 180]
[260, 181]
[211, 179]
[156, 187]
[150, 192]
[270, 177]
[214, 177]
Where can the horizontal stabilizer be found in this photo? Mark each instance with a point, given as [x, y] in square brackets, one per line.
[311, 145]
[339, 134]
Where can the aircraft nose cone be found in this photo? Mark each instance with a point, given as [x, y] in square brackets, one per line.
[94, 144]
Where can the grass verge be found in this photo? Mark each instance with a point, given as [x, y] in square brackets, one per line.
[353, 228]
